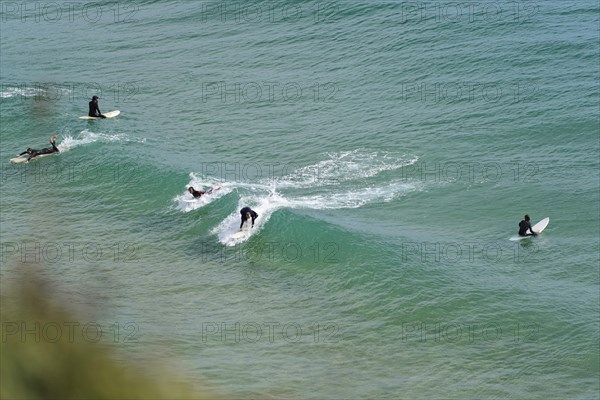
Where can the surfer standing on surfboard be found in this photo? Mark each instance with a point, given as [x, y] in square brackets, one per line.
[248, 213]
[48, 150]
[525, 226]
[95, 108]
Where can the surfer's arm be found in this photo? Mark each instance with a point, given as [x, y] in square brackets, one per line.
[25, 152]
[531, 230]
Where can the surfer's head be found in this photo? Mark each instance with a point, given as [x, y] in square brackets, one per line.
[29, 150]
[247, 215]
[94, 98]
[191, 189]
[526, 217]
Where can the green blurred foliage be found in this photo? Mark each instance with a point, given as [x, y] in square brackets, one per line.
[32, 366]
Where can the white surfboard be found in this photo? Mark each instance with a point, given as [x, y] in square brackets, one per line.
[110, 114]
[245, 231]
[537, 228]
[240, 234]
[23, 159]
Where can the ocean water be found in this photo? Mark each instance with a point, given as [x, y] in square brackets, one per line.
[390, 150]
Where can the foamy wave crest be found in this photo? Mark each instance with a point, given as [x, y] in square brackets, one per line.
[266, 205]
[345, 166]
[352, 168]
[43, 90]
[8, 92]
[86, 137]
[186, 202]
[354, 199]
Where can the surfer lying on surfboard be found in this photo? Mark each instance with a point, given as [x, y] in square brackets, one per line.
[48, 150]
[198, 193]
[248, 213]
[525, 226]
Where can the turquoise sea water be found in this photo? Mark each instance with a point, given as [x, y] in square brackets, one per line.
[390, 149]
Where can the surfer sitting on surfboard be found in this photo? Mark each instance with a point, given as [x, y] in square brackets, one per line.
[525, 226]
[248, 213]
[95, 109]
[48, 150]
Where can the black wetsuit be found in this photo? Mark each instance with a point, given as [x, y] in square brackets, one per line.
[525, 226]
[47, 150]
[197, 193]
[253, 214]
[95, 110]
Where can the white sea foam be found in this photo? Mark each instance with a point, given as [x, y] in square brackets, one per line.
[186, 202]
[49, 91]
[327, 192]
[86, 136]
[8, 92]
[264, 207]
[345, 166]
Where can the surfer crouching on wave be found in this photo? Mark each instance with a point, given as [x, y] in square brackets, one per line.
[525, 226]
[48, 150]
[95, 108]
[248, 213]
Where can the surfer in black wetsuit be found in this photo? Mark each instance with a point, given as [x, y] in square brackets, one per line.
[48, 150]
[248, 213]
[196, 193]
[525, 226]
[95, 109]
[199, 193]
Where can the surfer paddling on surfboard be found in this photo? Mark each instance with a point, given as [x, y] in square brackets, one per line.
[95, 108]
[48, 150]
[525, 226]
[248, 213]
[199, 193]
